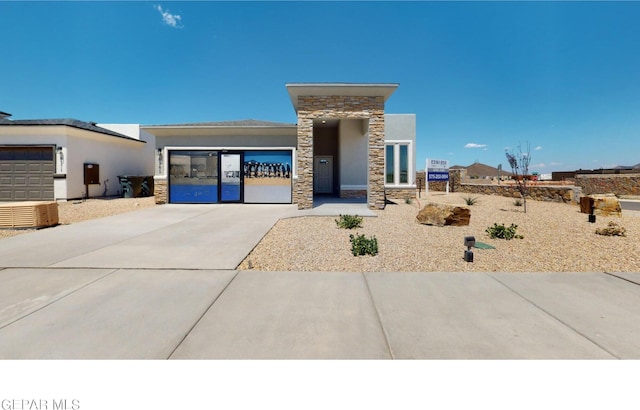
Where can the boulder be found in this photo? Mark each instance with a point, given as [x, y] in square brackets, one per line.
[441, 215]
[601, 204]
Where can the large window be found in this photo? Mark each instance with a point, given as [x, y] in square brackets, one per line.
[398, 163]
[193, 176]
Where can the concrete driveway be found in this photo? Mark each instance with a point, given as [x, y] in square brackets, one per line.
[165, 237]
[160, 283]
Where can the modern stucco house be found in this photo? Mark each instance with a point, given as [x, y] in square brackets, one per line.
[344, 144]
[48, 159]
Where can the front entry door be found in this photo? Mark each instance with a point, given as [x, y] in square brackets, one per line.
[230, 177]
[323, 174]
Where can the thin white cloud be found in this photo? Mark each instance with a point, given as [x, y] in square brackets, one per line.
[538, 148]
[171, 20]
[555, 163]
[540, 165]
[474, 145]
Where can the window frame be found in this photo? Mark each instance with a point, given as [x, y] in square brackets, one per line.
[396, 162]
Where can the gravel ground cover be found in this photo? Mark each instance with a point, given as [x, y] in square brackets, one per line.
[70, 212]
[557, 238]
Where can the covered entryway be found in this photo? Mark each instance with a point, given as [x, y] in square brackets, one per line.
[26, 173]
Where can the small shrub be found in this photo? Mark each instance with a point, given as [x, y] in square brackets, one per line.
[360, 245]
[517, 202]
[470, 200]
[349, 222]
[503, 232]
[407, 201]
[612, 229]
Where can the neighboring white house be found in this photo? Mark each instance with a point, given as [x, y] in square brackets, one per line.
[49, 159]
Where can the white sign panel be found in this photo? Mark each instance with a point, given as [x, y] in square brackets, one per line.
[438, 165]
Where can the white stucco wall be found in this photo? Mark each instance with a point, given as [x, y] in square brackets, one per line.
[148, 154]
[353, 148]
[402, 128]
[115, 156]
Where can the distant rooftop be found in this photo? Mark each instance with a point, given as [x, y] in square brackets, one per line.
[88, 126]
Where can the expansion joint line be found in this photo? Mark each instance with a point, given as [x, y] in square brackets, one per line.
[378, 317]
[621, 278]
[554, 317]
[51, 302]
[188, 332]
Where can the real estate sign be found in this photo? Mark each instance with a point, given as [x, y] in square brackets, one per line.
[437, 170]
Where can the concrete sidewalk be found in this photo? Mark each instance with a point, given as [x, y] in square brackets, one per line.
[206, 314]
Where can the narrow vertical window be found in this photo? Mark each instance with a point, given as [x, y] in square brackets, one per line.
[389, 164]
[404, 164]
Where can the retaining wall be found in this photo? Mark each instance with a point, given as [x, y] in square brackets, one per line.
[628, 184]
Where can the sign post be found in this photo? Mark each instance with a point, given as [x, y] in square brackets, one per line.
[437, 170]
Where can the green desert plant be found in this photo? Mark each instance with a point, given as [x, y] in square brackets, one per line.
[407, 201]
[517, 202]
[349, 222]
[470, 200]
[612, 229]
[503, 232]
[360, 245]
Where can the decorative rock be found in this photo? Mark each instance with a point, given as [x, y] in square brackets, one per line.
[603, 204]
[441, 215]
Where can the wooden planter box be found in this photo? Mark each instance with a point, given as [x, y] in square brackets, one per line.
[28, 214]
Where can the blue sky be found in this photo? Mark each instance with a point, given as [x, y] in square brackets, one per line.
[480, 76]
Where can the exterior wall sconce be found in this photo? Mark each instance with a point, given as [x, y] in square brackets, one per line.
[60, 156]
[159, 160]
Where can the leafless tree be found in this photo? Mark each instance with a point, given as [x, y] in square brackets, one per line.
[519, 163]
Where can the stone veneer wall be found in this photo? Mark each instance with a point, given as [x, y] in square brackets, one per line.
[401, 193]
[433, 185]
[567, 194]
[340, 107]
[160, 191]
[628, 184]
[353, 193]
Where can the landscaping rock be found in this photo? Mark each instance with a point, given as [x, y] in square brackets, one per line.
[441, 215]
[601, 204]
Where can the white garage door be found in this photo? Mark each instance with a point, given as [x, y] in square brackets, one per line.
[26, 173]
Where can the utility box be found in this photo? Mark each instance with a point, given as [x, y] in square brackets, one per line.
[91, 174]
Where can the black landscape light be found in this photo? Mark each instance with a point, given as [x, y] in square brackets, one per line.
[469, 242]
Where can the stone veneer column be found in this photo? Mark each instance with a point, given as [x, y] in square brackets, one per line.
[303, 186]
[340, 107]
[376, 197]
[160, 191]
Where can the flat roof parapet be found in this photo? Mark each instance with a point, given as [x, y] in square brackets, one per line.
[297, 90]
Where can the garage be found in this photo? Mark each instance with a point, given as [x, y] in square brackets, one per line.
[26, 173]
